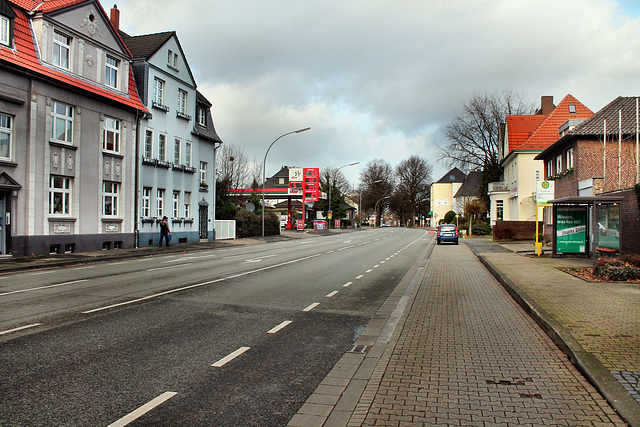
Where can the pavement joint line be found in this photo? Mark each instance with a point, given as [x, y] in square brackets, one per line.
[129, 418]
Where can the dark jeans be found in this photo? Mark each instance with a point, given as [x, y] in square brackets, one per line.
[166, 237]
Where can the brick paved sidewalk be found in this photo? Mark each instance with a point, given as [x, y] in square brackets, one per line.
[467, 355]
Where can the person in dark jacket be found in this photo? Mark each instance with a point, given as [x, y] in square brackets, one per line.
[164, 230]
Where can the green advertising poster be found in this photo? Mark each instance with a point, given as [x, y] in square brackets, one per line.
[571, 229]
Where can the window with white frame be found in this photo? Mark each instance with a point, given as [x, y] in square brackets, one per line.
[569, 158]
[158, 91]
[160, 203]
[549, 168]
[6, 136]
[182, 102]
[111, 72]
[499, 210]
[187, 204]
[111, 142]
[60, 195]
[187, 153]
[203, 173]
[146, 202]
[61, 50]
[110, 198]
[61, 122]
[202, 117]
[148, 143]
[5, 30]
[558, 164]
[162, 147]
[172, 59]
[175, 207]
[177, 146]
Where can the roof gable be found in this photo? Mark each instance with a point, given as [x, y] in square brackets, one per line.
[454, 175]
[471, 185]
[24, 56]
[547, 133]
[520, 128]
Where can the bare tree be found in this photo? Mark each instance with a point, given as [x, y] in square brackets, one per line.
[413, 183]
[233, 167]
[376, 183]
[473, 134]
[333, 179]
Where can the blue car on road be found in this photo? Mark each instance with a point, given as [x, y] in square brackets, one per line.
[447, 233]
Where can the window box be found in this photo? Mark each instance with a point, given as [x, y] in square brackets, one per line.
[183, 116]
[147, 220]
[204, 186]
[187, 220]
[158, 106]
[164, 164]
[149, 161]
[190, 169]
[176, 220]
[177, 167]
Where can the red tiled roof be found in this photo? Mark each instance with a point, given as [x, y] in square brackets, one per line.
[547, 133]
[47, 5]
[24, 55]
[520, 128]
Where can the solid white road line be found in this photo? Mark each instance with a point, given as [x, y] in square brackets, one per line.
[279, 327]
[197, 285]
[118, 263]
[143, 409]
[329, 295]
[42, 287]
[230, 357]
[20, 328]
[346, 285]
[311, 307]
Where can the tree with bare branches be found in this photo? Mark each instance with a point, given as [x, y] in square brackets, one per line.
[413, 184]
[376, 183]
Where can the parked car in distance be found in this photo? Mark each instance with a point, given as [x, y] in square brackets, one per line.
[447, 233]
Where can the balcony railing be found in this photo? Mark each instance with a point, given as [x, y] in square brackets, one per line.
[495, 187]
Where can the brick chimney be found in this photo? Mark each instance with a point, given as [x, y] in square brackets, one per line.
[546, 105]
[115, 17]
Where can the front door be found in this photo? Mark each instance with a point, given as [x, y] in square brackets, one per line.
[203, 211]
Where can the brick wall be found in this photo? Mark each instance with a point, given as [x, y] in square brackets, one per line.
[589, 163]
[629, 224]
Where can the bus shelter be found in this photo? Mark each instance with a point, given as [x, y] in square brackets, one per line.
[587, 225]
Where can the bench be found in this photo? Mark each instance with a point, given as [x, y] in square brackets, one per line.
[608, 252]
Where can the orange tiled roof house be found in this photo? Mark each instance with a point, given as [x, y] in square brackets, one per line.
[69, 112]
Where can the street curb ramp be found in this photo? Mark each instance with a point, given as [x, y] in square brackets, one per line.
[586, 362]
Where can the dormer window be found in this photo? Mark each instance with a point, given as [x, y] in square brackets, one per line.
[5, 30]
[61, 50]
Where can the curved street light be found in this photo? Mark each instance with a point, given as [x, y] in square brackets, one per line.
[329, 206]
[264, 166]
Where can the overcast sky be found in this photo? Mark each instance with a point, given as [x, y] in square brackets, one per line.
[382, 79]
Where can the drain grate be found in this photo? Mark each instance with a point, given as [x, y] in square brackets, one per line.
[359, 348]
[510, 382]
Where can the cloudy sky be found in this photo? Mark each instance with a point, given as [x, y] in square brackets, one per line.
[382, 78]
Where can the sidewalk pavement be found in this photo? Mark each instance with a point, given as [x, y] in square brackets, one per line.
[400, 372]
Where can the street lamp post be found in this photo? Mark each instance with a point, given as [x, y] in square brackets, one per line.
[329, 207]
[264, 166]
[376, 208]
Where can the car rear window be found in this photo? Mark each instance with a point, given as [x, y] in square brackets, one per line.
[447, 228]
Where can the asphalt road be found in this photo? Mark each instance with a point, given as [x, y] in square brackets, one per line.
[234, 336]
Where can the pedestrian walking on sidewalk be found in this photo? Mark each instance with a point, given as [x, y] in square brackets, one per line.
[165, 233]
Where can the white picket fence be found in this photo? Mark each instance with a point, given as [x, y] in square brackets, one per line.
[225, 229]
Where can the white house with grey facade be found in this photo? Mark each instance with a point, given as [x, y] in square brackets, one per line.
[177, 142]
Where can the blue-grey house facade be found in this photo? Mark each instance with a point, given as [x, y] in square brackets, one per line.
[177, 144]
